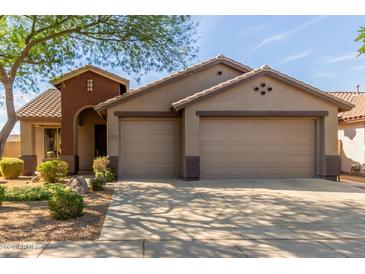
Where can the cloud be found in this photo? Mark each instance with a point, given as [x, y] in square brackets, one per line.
[356, 68]
[295, 57]
[341, 58]
[324, 75]
[285, 35]
[252, 29]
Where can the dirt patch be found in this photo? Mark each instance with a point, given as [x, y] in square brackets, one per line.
[18, 183]
[30, 221]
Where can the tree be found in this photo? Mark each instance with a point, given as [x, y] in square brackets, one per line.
[361, 38]
[41, 47]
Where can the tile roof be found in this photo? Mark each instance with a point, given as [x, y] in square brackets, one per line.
[46, 105]
[356, 98]
[342, 104]
[218, 59]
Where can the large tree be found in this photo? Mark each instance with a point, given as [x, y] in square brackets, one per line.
[33, 48]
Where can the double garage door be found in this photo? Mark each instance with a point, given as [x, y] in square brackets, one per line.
[229, 148]
[150, 148]
[239, 148]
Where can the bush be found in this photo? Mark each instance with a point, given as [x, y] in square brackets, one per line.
[65, 204]
[52, 171]
[356, 167]
[11, 168]
[2, 194]
[102, 169]
[29, 193]
[96, 184]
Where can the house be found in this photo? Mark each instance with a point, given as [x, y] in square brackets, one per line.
[216, 119]
[351, 131]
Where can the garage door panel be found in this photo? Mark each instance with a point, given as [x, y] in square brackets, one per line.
[149, 148]
[257, 148]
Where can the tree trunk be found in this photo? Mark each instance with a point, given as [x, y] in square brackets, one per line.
[10, 123]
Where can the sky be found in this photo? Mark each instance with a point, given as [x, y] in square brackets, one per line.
[318, 50]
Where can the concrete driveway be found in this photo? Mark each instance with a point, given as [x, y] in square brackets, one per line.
[238, 218]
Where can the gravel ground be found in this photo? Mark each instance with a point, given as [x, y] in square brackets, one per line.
[18, 182]
[30, 221]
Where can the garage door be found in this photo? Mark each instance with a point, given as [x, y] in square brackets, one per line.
[149, 148]
[249, 148]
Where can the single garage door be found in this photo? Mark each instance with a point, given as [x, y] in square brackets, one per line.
[254, 148]
[149, 148]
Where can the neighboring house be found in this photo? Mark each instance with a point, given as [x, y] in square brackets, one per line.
[12, 146]
[351, 131]
[217, 119]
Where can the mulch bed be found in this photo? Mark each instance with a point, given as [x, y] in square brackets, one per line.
[30, 221]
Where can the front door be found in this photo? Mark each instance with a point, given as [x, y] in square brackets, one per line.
[100, 140]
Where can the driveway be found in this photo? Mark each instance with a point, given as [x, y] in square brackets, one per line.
[238, 218]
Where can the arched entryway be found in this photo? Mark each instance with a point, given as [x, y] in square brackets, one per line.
[90, 139]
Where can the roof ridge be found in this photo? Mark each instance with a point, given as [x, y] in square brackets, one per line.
[173, 75]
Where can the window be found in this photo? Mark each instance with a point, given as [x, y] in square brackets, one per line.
[52, 143]
[89, 85]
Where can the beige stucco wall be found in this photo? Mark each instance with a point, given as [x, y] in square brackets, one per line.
[12, 149]
[161, 98]
[86, 138]
[243, 97]
[32, 138]
[352, 137]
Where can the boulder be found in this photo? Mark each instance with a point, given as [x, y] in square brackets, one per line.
[37, 178]
[79, 185]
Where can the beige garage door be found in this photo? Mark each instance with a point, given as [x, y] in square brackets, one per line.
[251, 148]
[149, 148]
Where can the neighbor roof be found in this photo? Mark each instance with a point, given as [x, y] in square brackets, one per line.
[264, 70]
[172, 77]
[46, 106]
[94, 69]
[357, 99]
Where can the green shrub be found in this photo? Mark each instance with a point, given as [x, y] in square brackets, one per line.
[2, 194]
[29, 193]
[52, 171]
[65, 204]
[102, 169]
[96, 184]
[11, 168]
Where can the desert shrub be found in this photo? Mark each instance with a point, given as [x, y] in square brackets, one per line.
[96, 184]
[29, 193]
[52, 171]
[11, 168]
[356, 167]
[65, 204]
[102, 169]
[2, 194]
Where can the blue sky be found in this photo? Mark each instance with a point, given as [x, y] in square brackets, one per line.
[319, 50]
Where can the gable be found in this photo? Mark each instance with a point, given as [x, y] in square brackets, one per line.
[160, 98]
[261, 88]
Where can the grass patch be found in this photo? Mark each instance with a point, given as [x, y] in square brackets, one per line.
[28, 193]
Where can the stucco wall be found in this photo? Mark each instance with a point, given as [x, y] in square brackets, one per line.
[243, 97]
[86, 138]
[160, 99]
[12, 149]
[352, 137]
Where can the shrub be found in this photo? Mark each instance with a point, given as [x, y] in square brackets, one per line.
[2, 194]
[96, 184]
[102, 169]
[356, 167]
[65, 204]
[29, 193]
[11, 168]
[52, 171]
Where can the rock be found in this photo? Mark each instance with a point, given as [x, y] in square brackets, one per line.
[36, 178]
[79, 185]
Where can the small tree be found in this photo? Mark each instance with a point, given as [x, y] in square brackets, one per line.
[41, 47]
[361, 38]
